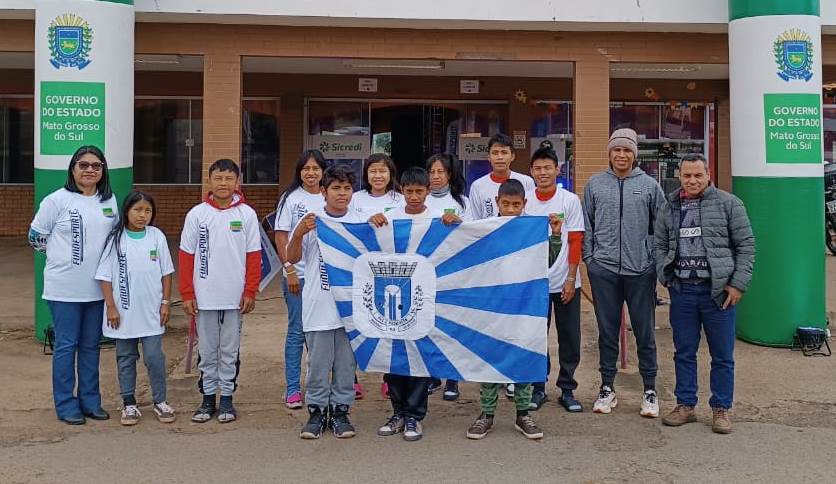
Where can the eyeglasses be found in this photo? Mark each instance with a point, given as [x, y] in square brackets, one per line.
[84, 166]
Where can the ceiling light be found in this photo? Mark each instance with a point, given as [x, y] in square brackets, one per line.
[394, 65]
[157, 59]
[669, 69]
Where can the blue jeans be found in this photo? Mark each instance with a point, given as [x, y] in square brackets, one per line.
[692, 309]
[127, 352]
[78, 331]
[295, 340]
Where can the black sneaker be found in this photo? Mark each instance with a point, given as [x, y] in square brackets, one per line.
[340, 423]
[412, 430]
[538, 398]
[451, 391]
[317, 421]
[567, 400]
[205, 411]
[435, 384]
[226, 410]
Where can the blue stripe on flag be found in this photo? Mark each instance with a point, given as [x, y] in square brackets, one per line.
[401, 229]
[515, 235]
[400, 363]
[329, 236]
[344, 308]
[437, 364]
[365, 233]
[530, 298]
[518, 364]
[337, 276]
[434, 237]
[364, 352]
[352, 334]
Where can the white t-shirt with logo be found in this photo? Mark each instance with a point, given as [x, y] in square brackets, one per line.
[400, 212]
[78, 226]
[483, 195]
[367, 205]
[567, 203]
[447, 202]
[298, 204]
[319, 310]
[220, 240]
[136, 277]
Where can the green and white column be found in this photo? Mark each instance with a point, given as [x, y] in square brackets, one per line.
[775, 82]
[84, 95]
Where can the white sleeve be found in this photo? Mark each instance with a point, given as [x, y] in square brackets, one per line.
[47, 216]
[188, 238]
[166, 264]
[574, 215]
[252, 231]
[284, 219]
[473, 204]
[465, 215]
[528, 183]
[105, 270]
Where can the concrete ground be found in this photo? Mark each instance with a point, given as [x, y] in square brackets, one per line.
[785, 420]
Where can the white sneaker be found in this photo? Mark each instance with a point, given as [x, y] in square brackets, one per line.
[130, 415]
[606, 401]
[650, 404]
[509, 391]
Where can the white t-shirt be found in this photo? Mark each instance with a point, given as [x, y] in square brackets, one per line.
[447, 202]
[220, 240]
[78, 226]
[319, 310]
[567, 203]
[367, 205]
[297, 204]
[400, 212]
[483, 195]
[136, 277]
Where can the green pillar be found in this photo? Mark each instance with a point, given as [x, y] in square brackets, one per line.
[777, 158]
[84, 95]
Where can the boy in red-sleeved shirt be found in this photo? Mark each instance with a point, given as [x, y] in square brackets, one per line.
[220, 268]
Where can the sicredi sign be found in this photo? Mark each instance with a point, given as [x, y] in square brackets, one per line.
[337, 147]
[473, 148]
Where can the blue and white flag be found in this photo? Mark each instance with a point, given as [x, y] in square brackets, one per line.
[467, 302]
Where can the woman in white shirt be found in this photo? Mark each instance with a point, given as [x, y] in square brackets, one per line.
[70, 227]
[303, 196]
[380, 192]
[447, 186]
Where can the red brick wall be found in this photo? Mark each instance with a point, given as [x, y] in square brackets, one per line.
[17, 206]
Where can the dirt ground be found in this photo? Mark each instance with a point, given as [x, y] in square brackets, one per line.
[785, 420]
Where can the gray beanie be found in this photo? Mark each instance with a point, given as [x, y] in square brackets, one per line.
[624, 138]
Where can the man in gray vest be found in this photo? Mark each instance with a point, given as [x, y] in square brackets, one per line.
[619, 208]
[705, 251]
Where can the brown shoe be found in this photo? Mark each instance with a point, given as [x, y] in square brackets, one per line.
[680, 415]
[721, 423]
[525, 424]
[480, 427]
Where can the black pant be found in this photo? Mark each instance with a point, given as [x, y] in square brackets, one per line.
[611, 291]
[567, 320]
[408, 395]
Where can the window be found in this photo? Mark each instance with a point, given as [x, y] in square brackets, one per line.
[830, 133]
[667, 131]
[551, 125]
[17, 122]
[168, 140]
[260, 140]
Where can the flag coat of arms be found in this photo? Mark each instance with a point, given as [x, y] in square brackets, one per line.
[467, 302]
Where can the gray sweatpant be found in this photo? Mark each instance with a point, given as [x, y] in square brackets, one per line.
[331, 368]
[219, 339]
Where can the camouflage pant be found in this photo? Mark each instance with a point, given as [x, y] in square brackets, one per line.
[489, 394]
